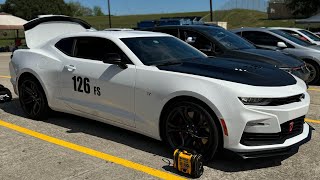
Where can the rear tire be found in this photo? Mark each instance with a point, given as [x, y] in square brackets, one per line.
[190, 125]
[33, 99]
[314, 73]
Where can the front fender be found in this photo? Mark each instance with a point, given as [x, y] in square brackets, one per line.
[193, 95]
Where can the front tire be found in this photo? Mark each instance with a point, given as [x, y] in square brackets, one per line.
[190, 125]
[33, 99]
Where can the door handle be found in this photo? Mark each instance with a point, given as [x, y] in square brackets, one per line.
[70, 67]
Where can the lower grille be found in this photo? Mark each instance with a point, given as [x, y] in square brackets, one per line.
[288, 130]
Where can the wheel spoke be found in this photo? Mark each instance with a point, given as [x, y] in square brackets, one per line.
[181, 114]
[187, 117]
[28, 100]
[35, 108]
[182, 139]
[38, 100]
[176, 130]
[33, 87]
[28, 91]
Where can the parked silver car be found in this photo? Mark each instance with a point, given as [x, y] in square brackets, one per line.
[269, 38]
[302, 34]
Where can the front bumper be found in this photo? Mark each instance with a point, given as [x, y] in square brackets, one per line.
[276, 152]
[267, 120]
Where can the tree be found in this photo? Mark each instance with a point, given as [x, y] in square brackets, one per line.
[97, 11]
[305, 7]
[76, 9]
[30, 9]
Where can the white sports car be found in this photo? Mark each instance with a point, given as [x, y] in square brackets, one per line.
[159, 86]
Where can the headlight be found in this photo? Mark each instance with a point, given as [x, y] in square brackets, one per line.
[255, 101]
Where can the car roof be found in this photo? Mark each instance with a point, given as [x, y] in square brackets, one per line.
[188, 27]
[285, 28]
[250, 29]
[117, 34]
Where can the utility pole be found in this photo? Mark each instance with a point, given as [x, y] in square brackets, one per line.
[211, 13]
[109, 14]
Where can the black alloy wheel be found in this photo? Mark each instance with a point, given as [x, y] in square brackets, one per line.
[189, 125]
[33, 99]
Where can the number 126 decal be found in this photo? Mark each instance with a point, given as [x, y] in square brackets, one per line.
[83, 85]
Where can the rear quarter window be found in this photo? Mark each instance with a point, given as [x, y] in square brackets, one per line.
[65, 46]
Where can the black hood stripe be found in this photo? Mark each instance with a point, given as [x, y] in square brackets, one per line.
[234, 71]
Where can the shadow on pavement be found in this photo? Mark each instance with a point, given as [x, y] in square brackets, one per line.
[225, 161]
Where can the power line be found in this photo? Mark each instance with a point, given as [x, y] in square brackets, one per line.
[109, 13]
[211, 13]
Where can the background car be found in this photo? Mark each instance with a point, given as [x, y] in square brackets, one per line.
[218, 42]
[159, 86]
[302, 34]
[282, 41]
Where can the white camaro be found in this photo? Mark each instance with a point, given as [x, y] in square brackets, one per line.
[159, 86]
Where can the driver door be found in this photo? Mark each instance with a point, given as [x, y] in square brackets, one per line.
[88, 85]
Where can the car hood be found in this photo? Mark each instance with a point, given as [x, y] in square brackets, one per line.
[235, 71]
[279, 59]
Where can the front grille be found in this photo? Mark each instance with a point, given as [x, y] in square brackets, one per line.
[286, 100]
[259, 139]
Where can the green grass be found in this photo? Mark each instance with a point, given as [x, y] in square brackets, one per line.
[236, 18]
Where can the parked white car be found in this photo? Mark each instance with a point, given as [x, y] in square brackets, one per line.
[159, 86]
[301, 34]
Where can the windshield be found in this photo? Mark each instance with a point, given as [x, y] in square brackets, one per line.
[291, 38]
[310, 35]
[229, 40]
[158, 50]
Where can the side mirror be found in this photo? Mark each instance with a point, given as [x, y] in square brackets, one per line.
[282, 45]
[190, 40]
[114, 58]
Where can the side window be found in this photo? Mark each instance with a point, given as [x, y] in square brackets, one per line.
[297, 35]
[65, 46]
[261, 38]
[200, 42]
[292, 33]
[95, 48]
[173, 32]
[90, 48]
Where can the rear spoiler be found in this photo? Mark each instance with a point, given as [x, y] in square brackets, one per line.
[45, 28]
[33, 23]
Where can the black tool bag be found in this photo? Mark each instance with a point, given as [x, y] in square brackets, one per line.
[5, 94]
